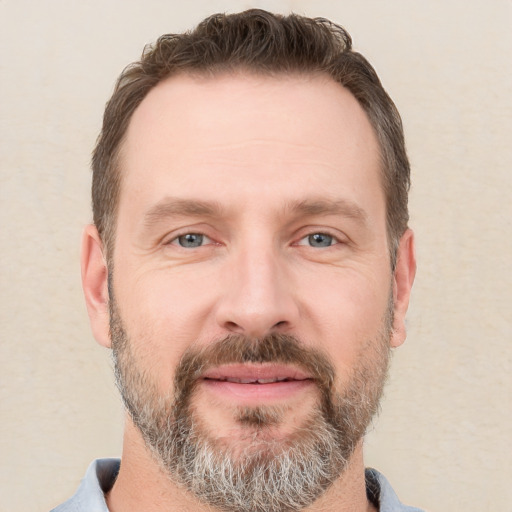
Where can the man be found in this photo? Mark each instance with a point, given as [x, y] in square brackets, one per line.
[250, 266]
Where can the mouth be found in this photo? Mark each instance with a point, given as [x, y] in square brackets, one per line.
[256, 384]
[252, 380]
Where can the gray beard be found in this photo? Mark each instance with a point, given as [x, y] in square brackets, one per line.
[258, 474]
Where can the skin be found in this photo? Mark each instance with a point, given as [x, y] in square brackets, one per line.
[257, 165]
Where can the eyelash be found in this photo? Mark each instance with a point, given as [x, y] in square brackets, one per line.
[306, 240]
[176, 240]
[321, 234]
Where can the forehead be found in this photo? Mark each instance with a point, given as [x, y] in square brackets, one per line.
[315, 104]
[247, 132]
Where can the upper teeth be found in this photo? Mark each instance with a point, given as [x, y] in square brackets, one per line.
[255, 381]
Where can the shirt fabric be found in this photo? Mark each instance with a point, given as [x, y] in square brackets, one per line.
[102, 473]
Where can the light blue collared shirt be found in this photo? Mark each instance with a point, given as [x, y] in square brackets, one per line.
[102, 473]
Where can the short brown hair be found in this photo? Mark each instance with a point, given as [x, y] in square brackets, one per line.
[261, 42]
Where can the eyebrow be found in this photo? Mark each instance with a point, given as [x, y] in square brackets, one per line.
[173, 207]
[341, 207]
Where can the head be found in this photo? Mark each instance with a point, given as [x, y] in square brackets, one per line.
[258, 42]
[246, 206]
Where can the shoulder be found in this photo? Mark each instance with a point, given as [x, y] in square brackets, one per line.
[90, 495]
[382, 495]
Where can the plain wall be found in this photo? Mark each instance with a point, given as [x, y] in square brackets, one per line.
[443, 438]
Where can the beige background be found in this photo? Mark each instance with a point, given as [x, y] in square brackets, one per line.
[444, 436]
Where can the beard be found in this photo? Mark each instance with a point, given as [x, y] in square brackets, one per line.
[260, 473]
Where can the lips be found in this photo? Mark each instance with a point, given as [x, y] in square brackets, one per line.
[255, 374]
[255, 381]
[255, 384]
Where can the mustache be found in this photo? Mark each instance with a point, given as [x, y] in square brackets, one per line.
[240, 349]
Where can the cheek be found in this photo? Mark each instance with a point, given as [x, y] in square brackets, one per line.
[348, 311]
[163, 317]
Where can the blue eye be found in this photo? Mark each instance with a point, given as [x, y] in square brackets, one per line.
[191, 240]
[320, 240]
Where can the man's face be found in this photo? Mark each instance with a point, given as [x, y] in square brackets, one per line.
[250, 208]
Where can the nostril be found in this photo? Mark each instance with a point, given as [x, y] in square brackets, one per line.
[232, 326]
[280, 324]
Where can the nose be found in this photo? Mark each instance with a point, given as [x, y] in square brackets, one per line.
[257, 296]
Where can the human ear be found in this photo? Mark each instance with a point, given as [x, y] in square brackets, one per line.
[403, 279]
[95, 284]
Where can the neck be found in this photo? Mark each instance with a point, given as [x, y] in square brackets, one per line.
[143, 485]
